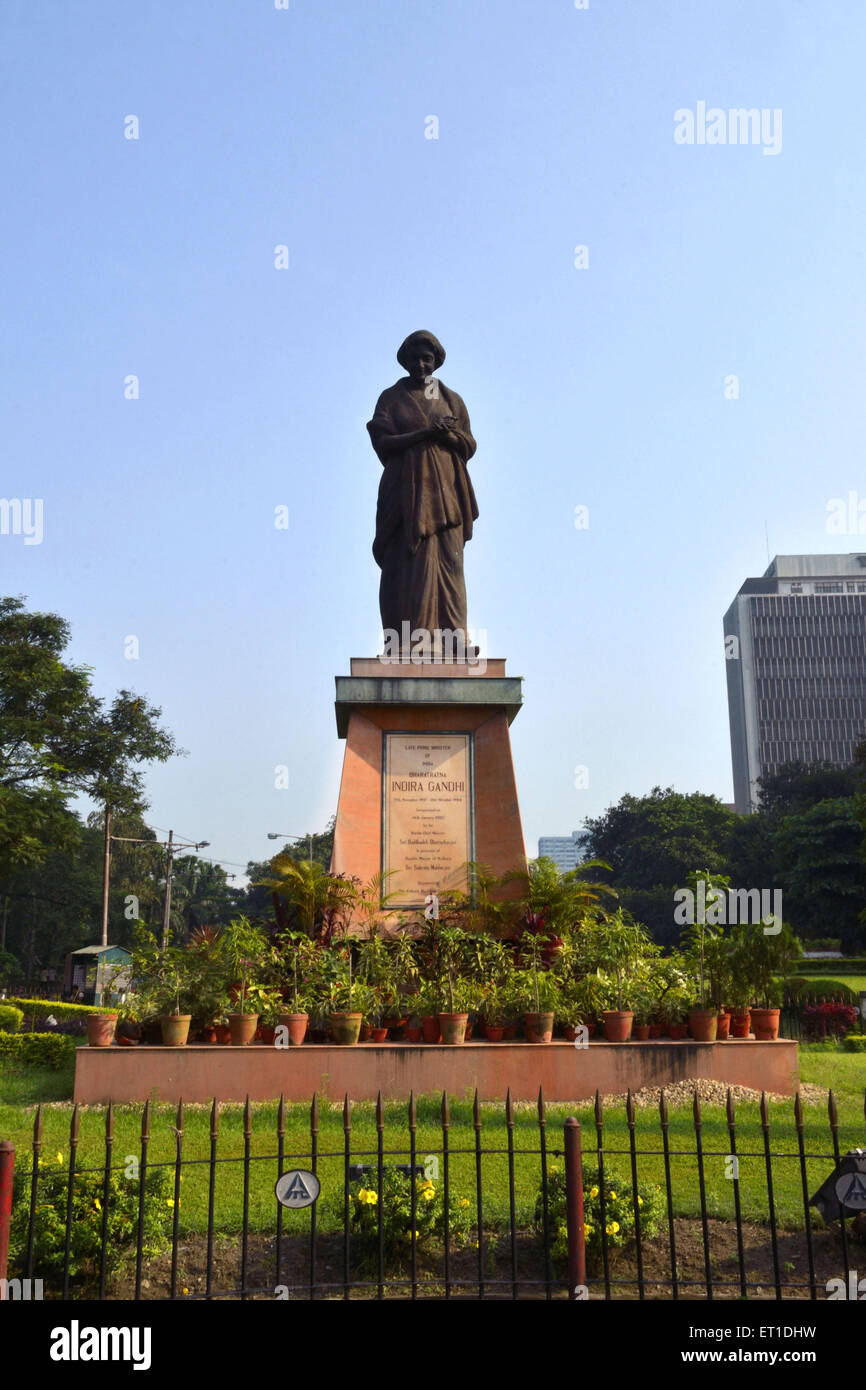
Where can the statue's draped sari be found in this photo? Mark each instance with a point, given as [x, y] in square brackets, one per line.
[425, 511]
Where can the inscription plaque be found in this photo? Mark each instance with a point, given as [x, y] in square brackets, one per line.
[427, 815]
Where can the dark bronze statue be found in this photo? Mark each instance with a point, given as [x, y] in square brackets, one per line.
[420, 431]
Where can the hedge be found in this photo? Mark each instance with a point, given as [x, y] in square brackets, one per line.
[10, 1018]
[847, 965]
[804, 987]
[52, 1050]
[854, 1043]
[41, 1008]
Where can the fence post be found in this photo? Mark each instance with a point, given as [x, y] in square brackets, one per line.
[577, 1290]
[7, 1169]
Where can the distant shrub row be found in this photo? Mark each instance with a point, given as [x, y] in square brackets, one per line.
[41, 1008]
[52, 1050]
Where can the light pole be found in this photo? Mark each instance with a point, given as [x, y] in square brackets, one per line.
[171, 844]
[309, 838]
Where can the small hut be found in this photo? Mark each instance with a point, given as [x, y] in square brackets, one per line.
[100, 973]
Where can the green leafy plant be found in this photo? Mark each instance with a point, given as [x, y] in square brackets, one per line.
[50, 1050]
[10, 1018]
[621, 1213]
[88, 1210]
[244, 947]
[398, 1235]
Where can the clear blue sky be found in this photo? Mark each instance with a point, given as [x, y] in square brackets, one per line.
[601, 387]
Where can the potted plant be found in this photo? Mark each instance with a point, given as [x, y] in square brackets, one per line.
[765, 956]
[578, 1005]
[452, 1023]
[643, 1002]
[344, 1016]
[174, 1024]
[244, 945]
[101, 1028]
[620, 946]
[698, 935]
[298, 947]
[491, 1011]
[425, 1004]
[539, 993]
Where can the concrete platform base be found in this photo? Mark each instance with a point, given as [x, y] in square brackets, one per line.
[200, 1073]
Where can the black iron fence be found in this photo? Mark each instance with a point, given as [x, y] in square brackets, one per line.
[643, 1204]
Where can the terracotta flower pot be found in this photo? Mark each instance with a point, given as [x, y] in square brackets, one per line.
[765, 1024]
[453, 1028]
[617, 1024]
[364, 1032]
[723, 1026]
[430, 1029]
[703, 1024]
[346, 1028]
[640, 1031]
[656, 1030]
[208, 1035]
[414, 1035]
[223, 1033]
[470, 1024]
[243, 1028]
[378, 1034]
[677, 1031]
[569, 1030]
[296, 1026]
[741, 1024]
[493, 1031]
[538, 1027]
[175, 1029]
[266, 1032]
[100, 1029]
[509, 1031]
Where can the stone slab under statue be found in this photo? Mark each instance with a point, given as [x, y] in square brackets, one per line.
[428, 779]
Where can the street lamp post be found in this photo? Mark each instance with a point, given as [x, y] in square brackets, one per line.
[171, 844]
[309, 838]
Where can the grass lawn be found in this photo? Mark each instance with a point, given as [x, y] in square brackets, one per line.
[21, 1089]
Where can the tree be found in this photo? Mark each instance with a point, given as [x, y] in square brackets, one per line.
[58, 740]
[655, 840]
[819, 858]
[797, 786]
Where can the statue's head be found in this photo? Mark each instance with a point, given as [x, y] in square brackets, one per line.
[421, 354]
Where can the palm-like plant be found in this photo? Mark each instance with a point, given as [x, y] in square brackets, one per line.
[312, 898]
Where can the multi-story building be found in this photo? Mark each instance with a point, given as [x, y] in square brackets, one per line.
[795, 647]
[566, 851]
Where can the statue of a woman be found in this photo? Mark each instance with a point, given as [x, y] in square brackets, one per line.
[420, 431]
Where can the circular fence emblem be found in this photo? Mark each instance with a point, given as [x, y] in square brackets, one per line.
[297, 1188]
[851, 1191]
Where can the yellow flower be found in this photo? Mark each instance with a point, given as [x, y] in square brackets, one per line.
[368, 1196]
[553, 1168]
[612, 1228]
[640, 1201]
[59, 1157]
[587, 1229]
[169, 1201]
[186, 1291]
[428, 1194]
[97, 1204]
[464, 1202]
[612, 1197]
[593, 1192]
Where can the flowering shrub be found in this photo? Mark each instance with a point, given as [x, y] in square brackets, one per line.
[619, 1215]
[831, 1020]
[397, 1218]
[88, 1194]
